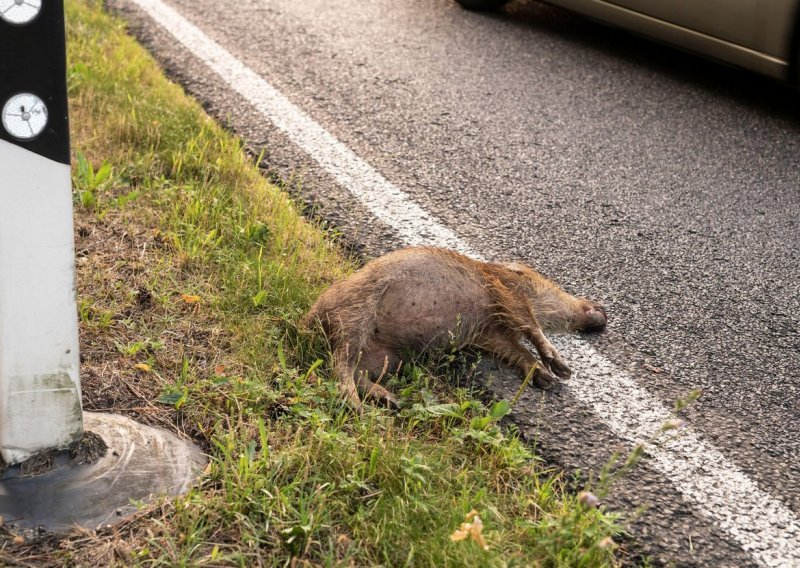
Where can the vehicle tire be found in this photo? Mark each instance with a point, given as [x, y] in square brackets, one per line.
[797, 64]
[794, 66]
[482, 5]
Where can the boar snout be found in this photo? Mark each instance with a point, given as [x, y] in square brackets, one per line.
[594, 317]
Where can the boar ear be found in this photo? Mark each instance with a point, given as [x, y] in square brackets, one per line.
[514, 267]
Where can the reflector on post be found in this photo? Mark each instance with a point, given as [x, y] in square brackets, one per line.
[40, 402]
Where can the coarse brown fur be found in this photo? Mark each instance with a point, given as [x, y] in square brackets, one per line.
[424, 298]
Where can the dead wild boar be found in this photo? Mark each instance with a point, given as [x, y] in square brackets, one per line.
[423, 298]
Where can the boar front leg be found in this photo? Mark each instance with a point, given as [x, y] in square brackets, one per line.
[547, 352]
[509, 349]
[518, 317]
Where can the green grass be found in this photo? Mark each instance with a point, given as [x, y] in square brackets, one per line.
[193, 271]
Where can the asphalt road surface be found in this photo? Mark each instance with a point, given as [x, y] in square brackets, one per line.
[664, 185]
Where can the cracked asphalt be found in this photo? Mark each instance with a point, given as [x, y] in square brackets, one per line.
[662, 184]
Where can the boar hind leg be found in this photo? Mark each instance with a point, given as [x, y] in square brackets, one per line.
[375, 362]
[354, 372]
[344, 370]
[375, 391]
[509, 349]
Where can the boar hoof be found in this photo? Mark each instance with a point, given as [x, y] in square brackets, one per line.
[385, 399]
[558, 367]
[543, 379]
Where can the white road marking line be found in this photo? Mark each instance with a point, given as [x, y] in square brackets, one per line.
[383, 200]
[760, 523]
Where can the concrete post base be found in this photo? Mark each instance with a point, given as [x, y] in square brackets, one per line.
[142, 462]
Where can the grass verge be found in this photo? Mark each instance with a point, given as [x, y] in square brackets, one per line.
[192, 273]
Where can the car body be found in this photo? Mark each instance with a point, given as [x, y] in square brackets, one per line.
[759, 35]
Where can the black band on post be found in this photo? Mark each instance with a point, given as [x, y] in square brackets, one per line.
[33, 61]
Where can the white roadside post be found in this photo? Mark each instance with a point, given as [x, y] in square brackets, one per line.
[118, 461]
[40, 400]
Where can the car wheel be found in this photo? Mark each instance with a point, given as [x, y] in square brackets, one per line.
[794, 66]
[797, 65]
[482, 5]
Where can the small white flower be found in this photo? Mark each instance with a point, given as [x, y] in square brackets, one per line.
[673, 424]
[589, 499]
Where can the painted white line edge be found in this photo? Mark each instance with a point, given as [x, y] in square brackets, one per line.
[760, 523]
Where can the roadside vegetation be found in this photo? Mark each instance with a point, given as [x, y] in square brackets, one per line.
[193, 272]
